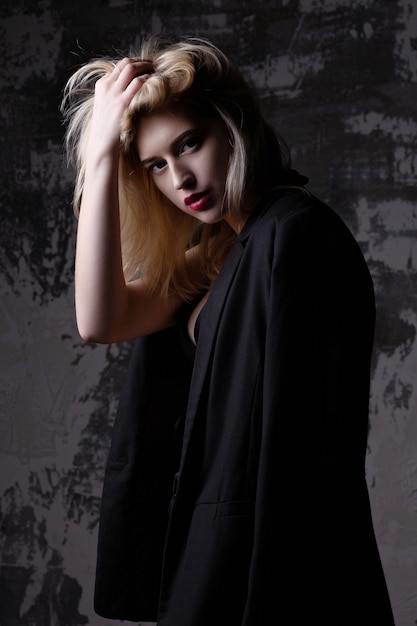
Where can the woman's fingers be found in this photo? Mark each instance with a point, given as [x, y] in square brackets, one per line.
[127, 69]
[113, 94]
[127, 78]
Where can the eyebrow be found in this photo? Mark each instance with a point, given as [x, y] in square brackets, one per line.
[173, 147]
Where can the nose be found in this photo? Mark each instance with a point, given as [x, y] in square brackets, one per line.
[182, 177]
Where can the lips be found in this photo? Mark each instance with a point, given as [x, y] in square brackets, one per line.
[197, 201]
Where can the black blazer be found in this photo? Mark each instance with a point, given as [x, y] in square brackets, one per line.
[269, 515]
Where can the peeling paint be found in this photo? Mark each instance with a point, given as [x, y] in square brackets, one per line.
[399, 129]
[405, 49]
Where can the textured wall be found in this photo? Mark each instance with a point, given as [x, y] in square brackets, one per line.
[339, 79]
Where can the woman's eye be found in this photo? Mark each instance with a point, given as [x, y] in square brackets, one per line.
[189, 144]
[157, 166]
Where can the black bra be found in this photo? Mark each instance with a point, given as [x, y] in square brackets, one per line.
[183, 318]
[197, 325]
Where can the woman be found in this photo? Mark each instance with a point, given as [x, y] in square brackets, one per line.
[235, 489]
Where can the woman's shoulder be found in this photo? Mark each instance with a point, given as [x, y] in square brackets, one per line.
[293, 213]
[280, 205]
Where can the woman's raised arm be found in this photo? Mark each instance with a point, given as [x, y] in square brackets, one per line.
[107, 308]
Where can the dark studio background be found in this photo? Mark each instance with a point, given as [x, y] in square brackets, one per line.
[339, 80]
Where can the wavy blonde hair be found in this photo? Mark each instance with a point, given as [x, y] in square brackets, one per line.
[155, 235]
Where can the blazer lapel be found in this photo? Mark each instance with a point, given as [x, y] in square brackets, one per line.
[211, 316]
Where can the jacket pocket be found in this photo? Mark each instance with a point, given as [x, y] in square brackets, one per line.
[233, 508]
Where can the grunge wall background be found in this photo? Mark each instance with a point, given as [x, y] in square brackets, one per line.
[339, 79]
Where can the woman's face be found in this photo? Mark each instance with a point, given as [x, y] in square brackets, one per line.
[187, 157]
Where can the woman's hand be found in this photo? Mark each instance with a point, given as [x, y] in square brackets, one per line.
[113, 94]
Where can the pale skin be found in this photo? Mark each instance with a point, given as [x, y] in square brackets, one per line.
[187, 165]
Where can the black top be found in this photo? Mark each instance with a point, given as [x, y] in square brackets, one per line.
[185, 340]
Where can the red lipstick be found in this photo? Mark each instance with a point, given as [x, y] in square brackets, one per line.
[197, 201]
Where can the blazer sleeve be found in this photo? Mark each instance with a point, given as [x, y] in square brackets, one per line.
[312, 514]
[138, 480]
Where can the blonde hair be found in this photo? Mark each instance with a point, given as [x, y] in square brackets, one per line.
[155, 235]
